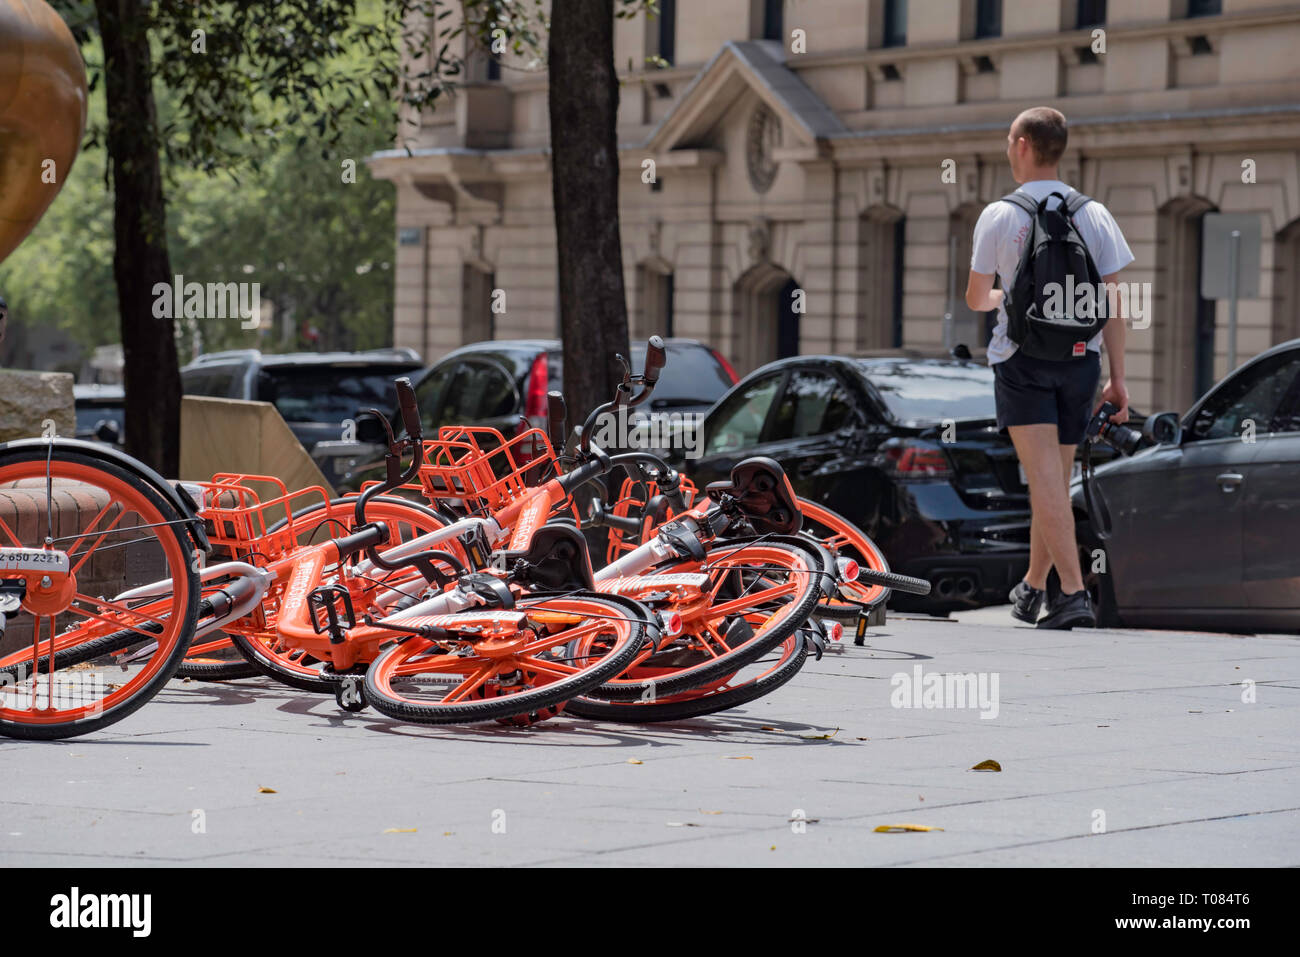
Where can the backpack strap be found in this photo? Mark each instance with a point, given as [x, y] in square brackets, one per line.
[1022, 201]
[1073, 203]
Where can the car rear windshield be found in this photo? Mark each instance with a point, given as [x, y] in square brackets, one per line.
[329, 393]
[918, 394]
[691, 376]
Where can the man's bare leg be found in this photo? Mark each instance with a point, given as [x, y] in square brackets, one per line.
[1041, 455]
[1040, 560]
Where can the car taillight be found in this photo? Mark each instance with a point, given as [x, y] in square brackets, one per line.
[538, 382]
[916, 460]
[726, 366]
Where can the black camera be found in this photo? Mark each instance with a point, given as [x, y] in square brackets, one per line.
[1119, 437]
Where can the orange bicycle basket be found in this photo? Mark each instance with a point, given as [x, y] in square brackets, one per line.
[482, 469]
[240, 521]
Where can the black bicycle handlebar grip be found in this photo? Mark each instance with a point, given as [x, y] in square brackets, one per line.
[406, 402]
[904, 583]
[556, 413]
[655, 358]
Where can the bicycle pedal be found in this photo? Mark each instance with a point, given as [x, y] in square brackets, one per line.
[326, 598]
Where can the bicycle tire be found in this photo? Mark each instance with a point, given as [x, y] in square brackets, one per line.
[379, 676]
[125, 488]
[686, 705]
[811, 560]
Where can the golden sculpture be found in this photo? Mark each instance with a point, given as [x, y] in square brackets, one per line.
[42, 113]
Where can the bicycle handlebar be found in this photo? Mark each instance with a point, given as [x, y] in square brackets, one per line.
[556, 414]
[655, 358]
[410, 412]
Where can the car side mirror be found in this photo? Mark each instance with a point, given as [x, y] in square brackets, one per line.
[107, 431]
[1164, 428]
[370, 431]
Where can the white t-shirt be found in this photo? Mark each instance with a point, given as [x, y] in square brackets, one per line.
[1000, 237]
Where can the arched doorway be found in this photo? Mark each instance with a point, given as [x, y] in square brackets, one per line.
[1183, 322]
[768, 306]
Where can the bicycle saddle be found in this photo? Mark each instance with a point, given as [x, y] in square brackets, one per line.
[557, 558]
[762, 491]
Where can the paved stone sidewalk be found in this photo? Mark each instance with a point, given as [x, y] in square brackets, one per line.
[1146, 729]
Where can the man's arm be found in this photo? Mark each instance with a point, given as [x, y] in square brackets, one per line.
[1114, 334]
[980, 294]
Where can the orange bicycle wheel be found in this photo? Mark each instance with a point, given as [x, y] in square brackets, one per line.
[72, 661]
[756, 594]
[505, 663]
[843, 539]
[752, 681]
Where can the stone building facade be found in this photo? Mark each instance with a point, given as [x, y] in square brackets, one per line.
[799, 201]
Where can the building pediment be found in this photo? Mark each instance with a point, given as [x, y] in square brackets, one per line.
[756, 66]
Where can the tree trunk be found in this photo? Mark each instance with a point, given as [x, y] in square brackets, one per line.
[583, 100]
[152, 376]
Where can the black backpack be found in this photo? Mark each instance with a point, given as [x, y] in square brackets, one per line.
[1046, 321]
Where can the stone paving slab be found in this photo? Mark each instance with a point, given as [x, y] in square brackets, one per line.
[1147, 728]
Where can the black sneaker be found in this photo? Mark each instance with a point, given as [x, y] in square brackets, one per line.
[1026, 600]
[1070, 611]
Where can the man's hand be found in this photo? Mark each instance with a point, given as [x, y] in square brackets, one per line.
[1115, 393]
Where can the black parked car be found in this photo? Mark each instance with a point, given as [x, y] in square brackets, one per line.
[499, 382]
[1203, 529]
[906, 448]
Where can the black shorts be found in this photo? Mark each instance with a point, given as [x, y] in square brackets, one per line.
[1033, 391]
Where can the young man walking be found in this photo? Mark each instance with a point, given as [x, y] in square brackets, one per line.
[1044, 404]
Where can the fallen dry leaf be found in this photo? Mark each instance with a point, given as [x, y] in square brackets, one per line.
[768, 727]
[900, 828]
[634, 761]
[702, 811]
[738, 757]
[400, 830]
[989, 765]
[820, 737]
[680, 824]
[265, 790]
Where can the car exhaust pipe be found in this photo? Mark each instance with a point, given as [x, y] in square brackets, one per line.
[966, 587]
[944, 587]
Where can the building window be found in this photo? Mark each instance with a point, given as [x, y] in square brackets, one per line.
[667, 30]
[1092, 13]
[654, 313]
[880, 285]
[895, 23]
[1204, 8]
[988, 19]
[477, 321]
[493, 68]
[773, 20]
